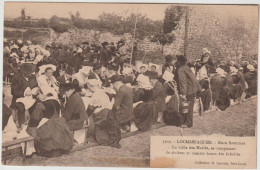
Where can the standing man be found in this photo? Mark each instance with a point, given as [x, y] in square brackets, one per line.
[123, 106]
[105, 54]
[123, 54]
[187, 87]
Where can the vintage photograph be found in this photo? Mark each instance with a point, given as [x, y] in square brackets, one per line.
[89, 84]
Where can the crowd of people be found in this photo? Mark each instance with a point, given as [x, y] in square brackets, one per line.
[87, 84]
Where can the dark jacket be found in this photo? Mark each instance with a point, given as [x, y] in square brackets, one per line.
[123, 106]
[187, 82]
[19, 84]
[75, 112]
[62, 80]
[104, 56]
[158, 97]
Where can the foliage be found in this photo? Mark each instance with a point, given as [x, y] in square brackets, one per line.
[59, 25]
[119, 25]
[173, 15]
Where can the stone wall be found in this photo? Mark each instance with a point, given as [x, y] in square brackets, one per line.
[206, 30]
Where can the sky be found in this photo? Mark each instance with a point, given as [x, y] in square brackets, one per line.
[93, 10]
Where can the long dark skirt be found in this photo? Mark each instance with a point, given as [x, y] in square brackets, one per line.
[236, 91]
[172, 116]
[145, 115]
[224, 100]
[206, 98]
[104, 129]
[55, 138]
[7, 112]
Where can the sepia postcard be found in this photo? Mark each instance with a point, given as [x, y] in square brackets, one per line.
[159, 85]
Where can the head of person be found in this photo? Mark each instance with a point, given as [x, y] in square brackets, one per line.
[97, 68]
[120, 43]
[142, 69]
[116, 81]
[27, 69]
[69, 89]
[205, 50]
[170, 59]
[181, 60]
[153, 68]
[205, 58]
[49, 72]
[105, 45]
[93, 85]
[153, 75]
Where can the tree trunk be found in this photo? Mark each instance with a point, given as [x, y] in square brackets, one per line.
[162, 49]
[186, 31]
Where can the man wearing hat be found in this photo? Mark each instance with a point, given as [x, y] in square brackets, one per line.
[67, 77]
[159, 95]
[169, 64]
[104, 54]
[123, 105]
[20, 82]
[187, 87]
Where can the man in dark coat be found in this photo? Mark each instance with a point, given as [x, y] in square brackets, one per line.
[20, 82]
[104, 54]
[158, 95]
[187, 86]
[123, 106]
[66, 78]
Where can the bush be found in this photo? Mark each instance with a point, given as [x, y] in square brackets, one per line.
[58, 24]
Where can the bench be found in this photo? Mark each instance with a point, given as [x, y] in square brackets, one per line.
[24, 140]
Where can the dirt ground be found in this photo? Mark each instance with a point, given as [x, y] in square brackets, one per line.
[238, 120]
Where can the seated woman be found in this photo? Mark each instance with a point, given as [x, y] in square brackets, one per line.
[251, 79]
[54, 137]
[237, 88]
[48, 83]
[74, 111]
[145, 111]
[102, 124]
[223, 99]
[82, 75]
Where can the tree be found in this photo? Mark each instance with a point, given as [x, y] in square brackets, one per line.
[164, 39]
[77, 21]
[173, 15]
[59, 25]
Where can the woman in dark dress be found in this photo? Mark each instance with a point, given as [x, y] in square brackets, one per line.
[172, 115]
[145, 111]
[103, 127]
[237, 88]
[251, 79]
[54, 137]
[220, 91]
